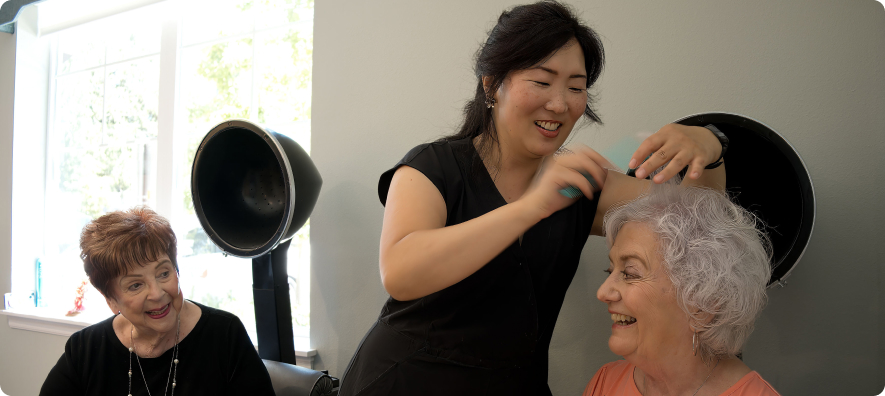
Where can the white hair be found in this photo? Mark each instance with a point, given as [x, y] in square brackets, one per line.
[713, 252]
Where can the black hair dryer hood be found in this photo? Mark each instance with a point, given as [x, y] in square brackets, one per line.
[253, 188]
[767, 177]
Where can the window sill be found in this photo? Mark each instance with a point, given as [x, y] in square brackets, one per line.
[49, 324]
[45, 322]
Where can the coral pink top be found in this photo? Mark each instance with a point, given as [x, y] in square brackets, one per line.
[616, 379]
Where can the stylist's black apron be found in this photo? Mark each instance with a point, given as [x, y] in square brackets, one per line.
[489, 333]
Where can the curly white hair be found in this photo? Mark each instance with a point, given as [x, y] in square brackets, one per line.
[714, 253]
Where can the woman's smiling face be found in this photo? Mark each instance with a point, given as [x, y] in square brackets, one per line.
[638, 290]
[149, 296]
[538, 107]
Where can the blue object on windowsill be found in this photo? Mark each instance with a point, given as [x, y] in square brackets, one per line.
[39, 302]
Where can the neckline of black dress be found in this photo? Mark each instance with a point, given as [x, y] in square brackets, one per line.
[183, 342]
[494, 198]
[487, 183]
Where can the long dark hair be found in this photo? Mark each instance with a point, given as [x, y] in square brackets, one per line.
[523, 37]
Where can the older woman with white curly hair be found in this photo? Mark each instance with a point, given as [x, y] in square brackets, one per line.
[687, 277]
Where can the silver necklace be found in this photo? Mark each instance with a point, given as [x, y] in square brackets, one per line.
[173, 367]
[702, 383]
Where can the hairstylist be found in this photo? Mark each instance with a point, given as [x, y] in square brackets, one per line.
[479, 244]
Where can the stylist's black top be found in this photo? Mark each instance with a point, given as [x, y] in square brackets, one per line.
[216, 358]
[489, 333]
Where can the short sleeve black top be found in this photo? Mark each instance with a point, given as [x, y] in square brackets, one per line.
[503, 315]
[216, 358]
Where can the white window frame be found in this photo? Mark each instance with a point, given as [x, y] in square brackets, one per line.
[27, 31]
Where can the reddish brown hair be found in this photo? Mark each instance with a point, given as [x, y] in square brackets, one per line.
[113, 244]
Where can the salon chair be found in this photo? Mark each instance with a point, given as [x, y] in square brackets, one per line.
[291, 380]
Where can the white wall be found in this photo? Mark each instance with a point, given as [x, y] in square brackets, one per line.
[391, 74]
[25, 356]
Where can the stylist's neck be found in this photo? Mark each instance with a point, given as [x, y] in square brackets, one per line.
[505, 157]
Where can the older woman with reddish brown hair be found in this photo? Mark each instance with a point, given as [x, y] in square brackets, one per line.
[157, 342]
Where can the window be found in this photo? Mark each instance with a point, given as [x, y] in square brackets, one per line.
[109, 146]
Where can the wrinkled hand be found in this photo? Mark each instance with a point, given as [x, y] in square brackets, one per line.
[560, 171]
[681, 146]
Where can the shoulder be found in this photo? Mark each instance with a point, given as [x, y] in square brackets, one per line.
[91, 334]
[217, 317]
[609, 377]
[438, 152]
[751, 384]
[85, 350]
[440, 147]
[88, 343]
[217, 327]
[440, 162]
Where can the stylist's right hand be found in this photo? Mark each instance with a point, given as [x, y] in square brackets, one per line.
[563, 170]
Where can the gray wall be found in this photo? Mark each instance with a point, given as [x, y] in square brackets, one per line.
[392, 74]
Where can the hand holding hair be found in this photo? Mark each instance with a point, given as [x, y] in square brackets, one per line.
[677, 146]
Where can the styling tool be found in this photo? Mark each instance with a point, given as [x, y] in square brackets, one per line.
[574, 192]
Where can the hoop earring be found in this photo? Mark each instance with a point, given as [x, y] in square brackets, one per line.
[490, 102]
[694, 343]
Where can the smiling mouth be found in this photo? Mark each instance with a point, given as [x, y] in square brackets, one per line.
[548, 126]
[159, 312]
[623, 320]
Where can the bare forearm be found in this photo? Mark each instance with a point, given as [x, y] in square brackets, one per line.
[426, 261]
[621, 188]
[711, 178]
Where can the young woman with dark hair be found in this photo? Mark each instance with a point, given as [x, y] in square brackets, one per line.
[481, 235]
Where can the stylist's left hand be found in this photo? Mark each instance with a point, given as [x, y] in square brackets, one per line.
[681, 146]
